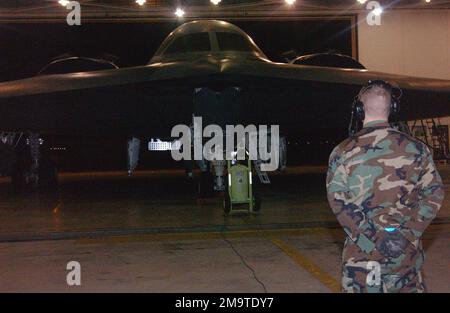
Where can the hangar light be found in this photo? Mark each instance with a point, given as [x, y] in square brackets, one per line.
[179, 12]
[141, 2]
[215, 2]
[362, 1]
[63, 2]
[290, 2]
[427, 1]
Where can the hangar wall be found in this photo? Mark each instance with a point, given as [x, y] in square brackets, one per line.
[415, 43]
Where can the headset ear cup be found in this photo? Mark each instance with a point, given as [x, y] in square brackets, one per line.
[394, 108]
[360, 110]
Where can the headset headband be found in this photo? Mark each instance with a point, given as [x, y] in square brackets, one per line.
[358, 113]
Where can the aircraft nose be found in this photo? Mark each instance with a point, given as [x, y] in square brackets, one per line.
[213, 62]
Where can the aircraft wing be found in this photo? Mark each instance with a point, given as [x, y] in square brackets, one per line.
[59, 83]
[421, 97]
[159, 96]
[334, 75]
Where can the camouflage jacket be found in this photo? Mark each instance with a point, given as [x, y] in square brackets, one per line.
[383, 178]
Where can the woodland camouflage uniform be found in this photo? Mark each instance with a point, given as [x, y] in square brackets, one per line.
[384, 189]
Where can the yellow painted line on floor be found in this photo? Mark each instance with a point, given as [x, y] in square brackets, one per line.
[270, 233]
[308, 265]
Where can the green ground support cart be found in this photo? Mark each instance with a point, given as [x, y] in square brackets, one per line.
[240, 196]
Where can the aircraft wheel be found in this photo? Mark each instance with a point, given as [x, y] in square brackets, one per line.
[205, 185]
[256, 196]
[226, 203]
[256, 202]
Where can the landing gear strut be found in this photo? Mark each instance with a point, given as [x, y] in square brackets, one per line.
[133, 145]
[35, 152]
[33, 165]
[219, 169]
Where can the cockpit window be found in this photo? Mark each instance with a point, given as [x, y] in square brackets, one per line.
[233, 42]
[190, 43]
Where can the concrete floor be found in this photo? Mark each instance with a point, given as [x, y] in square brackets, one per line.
[148, 234]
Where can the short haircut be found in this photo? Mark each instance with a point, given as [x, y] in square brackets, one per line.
[377, 100]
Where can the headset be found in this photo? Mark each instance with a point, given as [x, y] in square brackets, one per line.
[358, 113]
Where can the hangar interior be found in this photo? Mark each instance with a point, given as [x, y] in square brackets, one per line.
[402, 44]
[150, 232]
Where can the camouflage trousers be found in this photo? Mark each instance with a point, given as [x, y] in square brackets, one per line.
[376, 274]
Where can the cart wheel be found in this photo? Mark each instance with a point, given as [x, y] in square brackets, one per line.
[227, 204]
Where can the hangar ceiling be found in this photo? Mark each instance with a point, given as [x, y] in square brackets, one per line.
[156, 10]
